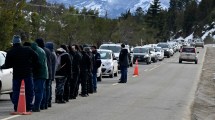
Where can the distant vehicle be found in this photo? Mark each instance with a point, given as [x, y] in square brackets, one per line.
[5, 76]
[193, 43]
[188, 54]
[199, 43]
[166, 48]
[152, 53]
[130, 56]
[141, 54]
[160, 53]
[109, 63]
[116, 48]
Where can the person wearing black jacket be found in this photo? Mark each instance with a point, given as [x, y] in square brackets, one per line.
[85, 65]
[24, 61]
[74, 52]
[44, 103]
[63, 69]
[123, 63]
[96, 64]
[68, 79]
[90, 76]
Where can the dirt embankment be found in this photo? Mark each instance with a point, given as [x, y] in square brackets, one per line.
[204, 103]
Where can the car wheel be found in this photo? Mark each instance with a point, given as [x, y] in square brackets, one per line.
[111, 75]
[131, 64]
[99, 78]
[168, 56]
[196, 62]
[11, 95]
[180, 61]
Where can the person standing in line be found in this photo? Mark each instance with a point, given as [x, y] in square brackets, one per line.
[96, 64]
[84, 67]
[24, 61]
[73, 51]
[90, 76]
[123, 63]
[63, 69]
[68, 75]
[50, 46]
[40, 76]
[41, 44]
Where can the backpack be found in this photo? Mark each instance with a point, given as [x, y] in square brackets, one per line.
[58, 63]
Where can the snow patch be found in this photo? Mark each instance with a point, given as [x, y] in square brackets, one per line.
[208, 33]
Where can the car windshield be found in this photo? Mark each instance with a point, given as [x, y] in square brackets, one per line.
[2, 59]
[163, 45]
[140, 50]
[105, 54]
[188, 50]
[157, 49]
[115, 49]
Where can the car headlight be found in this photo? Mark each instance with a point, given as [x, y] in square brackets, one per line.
[146, 56]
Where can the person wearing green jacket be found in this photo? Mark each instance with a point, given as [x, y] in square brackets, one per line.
[39, 76]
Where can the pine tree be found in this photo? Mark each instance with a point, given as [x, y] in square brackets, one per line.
[190, 16]
[172, 14]
[153, 13]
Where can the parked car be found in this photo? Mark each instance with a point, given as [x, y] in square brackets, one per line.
[188, 54]
[166, 48]
[160, 53]
[109, 63]
[5, 77]
[141, 54]
[199, 43]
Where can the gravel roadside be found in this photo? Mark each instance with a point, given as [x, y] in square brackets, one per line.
[204, 103]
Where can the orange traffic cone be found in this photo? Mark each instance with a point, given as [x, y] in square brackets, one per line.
[21, 109]
[136, 72]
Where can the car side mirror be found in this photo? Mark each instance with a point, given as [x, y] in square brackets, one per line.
[198, 52]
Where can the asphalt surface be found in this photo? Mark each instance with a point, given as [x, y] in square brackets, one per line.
[162, 91]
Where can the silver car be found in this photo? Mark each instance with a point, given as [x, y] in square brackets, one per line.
[188, 54]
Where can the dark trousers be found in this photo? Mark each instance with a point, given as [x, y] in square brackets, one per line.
[94, 81]
[67, 89]
[124, 71]
[29, 92]
[83, 80]
[90, 82]
[74, 85]
[39, 88]
[59, 90]
[46, 94]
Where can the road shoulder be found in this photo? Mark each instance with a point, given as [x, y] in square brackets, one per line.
[204, 103]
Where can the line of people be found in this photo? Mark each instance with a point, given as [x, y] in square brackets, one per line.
[38, 64]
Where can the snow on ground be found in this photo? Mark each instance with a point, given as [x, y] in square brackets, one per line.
[208, 33]
[189, 37]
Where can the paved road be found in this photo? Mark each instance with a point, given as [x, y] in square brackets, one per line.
[163, 91]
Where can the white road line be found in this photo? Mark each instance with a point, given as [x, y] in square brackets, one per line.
[11, 117]
[115, 84]
[146, 70]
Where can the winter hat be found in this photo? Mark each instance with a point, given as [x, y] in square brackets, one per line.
[40, 42]
[16, 39]
[50, 46]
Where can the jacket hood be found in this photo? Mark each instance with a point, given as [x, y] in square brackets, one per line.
[50, 46]
[34, 46]
[40, 42]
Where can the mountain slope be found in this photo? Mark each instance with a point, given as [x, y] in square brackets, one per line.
[114, 8]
